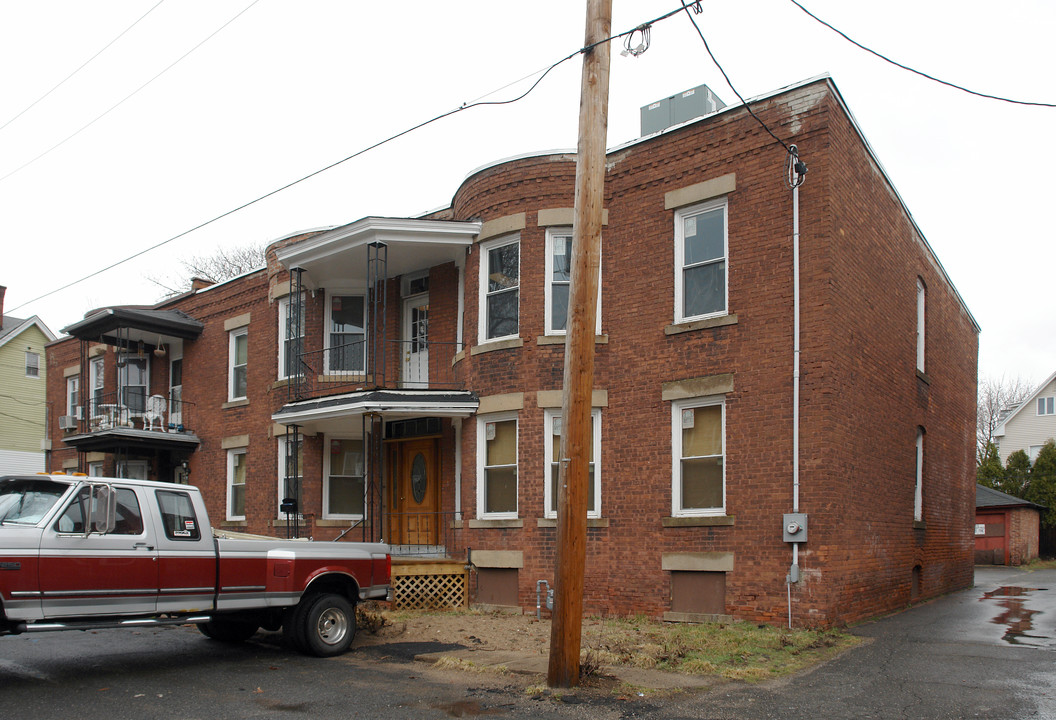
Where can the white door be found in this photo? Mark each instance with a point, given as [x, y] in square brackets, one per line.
[416, 341]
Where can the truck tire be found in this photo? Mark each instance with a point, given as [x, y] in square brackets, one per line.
[324, 625]
[228, 629]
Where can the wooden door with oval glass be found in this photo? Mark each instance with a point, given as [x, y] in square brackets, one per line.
[415, 518]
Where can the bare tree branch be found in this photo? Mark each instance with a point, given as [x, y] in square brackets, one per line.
[997, 398]
[222, 265]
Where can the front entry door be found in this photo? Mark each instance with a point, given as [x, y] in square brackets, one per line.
[416, 493]
[416, 341]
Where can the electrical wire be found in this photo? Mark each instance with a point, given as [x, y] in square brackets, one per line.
[918, 72]
[130, 95]
[460, 108]
[696, 9]
[82, 66]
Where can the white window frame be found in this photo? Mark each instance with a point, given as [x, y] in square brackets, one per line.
[282, 477]
[551, 234]
[548, 460]
[123, 380]
[326, 478]
[1047, 405]
[482, 315]
[482, 422]
[232, 365]
[677, 407]
[283, 307]
[73, 395]
[922, 301]
[681, 215]
[96, 384]
[918, 491]
[232, 455]
[95, 469]
[328, 328]
[32, 364]
[1033, 451]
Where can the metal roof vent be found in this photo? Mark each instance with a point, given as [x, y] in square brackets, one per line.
[692, 103]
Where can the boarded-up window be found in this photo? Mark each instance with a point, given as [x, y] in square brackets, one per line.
[497, 586]
[698, 592]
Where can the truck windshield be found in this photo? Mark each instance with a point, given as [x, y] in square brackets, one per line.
[25, 501]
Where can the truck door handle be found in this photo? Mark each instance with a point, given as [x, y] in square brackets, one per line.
[142, 546]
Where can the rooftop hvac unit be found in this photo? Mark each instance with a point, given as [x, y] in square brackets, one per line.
[685, 106]
[67, 422]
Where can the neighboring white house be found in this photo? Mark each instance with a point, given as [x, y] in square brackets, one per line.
[1030, 425]
[23, 392]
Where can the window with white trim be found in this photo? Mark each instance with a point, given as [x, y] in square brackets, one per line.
[288, 340]
[922, 299]
[32, 364]
[236, 484]
[552, 431]
[918, 492]
[700, 261]
[346, 334]
[343, 472]
[96, 386]
[497, 466]
[238, 359]
[73, 399]
[500, 269]
[558, 281]
[133, 378]
[698, 438]
[290, 479]
[1047, 406]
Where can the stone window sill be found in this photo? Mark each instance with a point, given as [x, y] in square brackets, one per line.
[510, 523]
[704, 324]
[494, 345]
[591, 522]
[702, 521]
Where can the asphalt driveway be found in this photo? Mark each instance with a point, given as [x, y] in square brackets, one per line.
[988, 652]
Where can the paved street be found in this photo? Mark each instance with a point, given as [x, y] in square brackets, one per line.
[989, 652]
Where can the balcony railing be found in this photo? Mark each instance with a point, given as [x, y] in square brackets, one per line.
[426, 535]
[130, 408]
[354, 366]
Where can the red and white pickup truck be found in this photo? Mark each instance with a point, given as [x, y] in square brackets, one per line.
[81, 552]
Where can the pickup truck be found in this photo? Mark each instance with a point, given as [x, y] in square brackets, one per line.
[80, 553]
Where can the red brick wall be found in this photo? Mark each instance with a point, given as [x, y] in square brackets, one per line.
[861, 398]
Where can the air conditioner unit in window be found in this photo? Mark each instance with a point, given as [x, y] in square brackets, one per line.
[67, 422]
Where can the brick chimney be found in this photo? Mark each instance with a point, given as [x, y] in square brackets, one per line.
[198, 283]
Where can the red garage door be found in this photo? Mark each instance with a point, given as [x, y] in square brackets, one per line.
[991, 545]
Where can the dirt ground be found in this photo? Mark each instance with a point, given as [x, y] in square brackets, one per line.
[481, 631]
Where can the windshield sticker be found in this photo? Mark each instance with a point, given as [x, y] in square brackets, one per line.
[189, 524]
[181, 533]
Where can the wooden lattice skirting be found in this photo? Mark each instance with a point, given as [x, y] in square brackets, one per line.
[441, 586]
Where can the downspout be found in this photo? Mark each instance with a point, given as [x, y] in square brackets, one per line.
[796, 172]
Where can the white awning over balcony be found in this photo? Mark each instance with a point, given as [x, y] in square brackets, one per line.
[333, 413]
[340, 255]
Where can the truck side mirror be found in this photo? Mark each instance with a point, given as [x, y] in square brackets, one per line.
[103, 509]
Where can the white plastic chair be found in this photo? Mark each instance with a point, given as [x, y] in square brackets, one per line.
[154, 412]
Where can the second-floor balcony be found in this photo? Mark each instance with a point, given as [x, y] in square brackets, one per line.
[129, 417]
[418, 364]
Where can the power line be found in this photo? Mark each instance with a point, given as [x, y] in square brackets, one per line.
[918, 72]
[287, 186]
[696, 8]
[130, 95]
[82, 66]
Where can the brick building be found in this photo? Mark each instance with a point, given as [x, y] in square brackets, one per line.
[401, 379]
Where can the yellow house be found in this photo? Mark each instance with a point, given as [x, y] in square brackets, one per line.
[23, 393]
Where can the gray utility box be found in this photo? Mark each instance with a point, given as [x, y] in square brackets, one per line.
[680, 108]
[794, 528]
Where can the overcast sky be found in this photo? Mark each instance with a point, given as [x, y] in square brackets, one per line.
[279, 90]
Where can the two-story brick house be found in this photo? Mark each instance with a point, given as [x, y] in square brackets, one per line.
[400, 378]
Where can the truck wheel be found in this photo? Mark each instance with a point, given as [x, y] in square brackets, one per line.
[228, 629]
[326, 626]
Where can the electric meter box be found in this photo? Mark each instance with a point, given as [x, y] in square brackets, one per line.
[794, 528]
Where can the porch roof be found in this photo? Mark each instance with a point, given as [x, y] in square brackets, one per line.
[340, 255]
[390, 404]
[142, 324]
[116, 438]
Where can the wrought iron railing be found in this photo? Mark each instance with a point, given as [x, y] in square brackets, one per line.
[130, 407]
[423, 534]
[392, 364]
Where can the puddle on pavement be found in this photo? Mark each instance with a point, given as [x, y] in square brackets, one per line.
[1016, 617]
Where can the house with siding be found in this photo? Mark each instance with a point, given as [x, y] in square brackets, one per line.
[401, 378]
[1030, 425]
[23, 388]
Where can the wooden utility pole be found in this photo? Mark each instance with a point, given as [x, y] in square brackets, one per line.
[576, 436]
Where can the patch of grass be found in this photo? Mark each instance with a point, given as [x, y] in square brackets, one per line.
[741, 651]
[1040, 564]
[446, 662]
